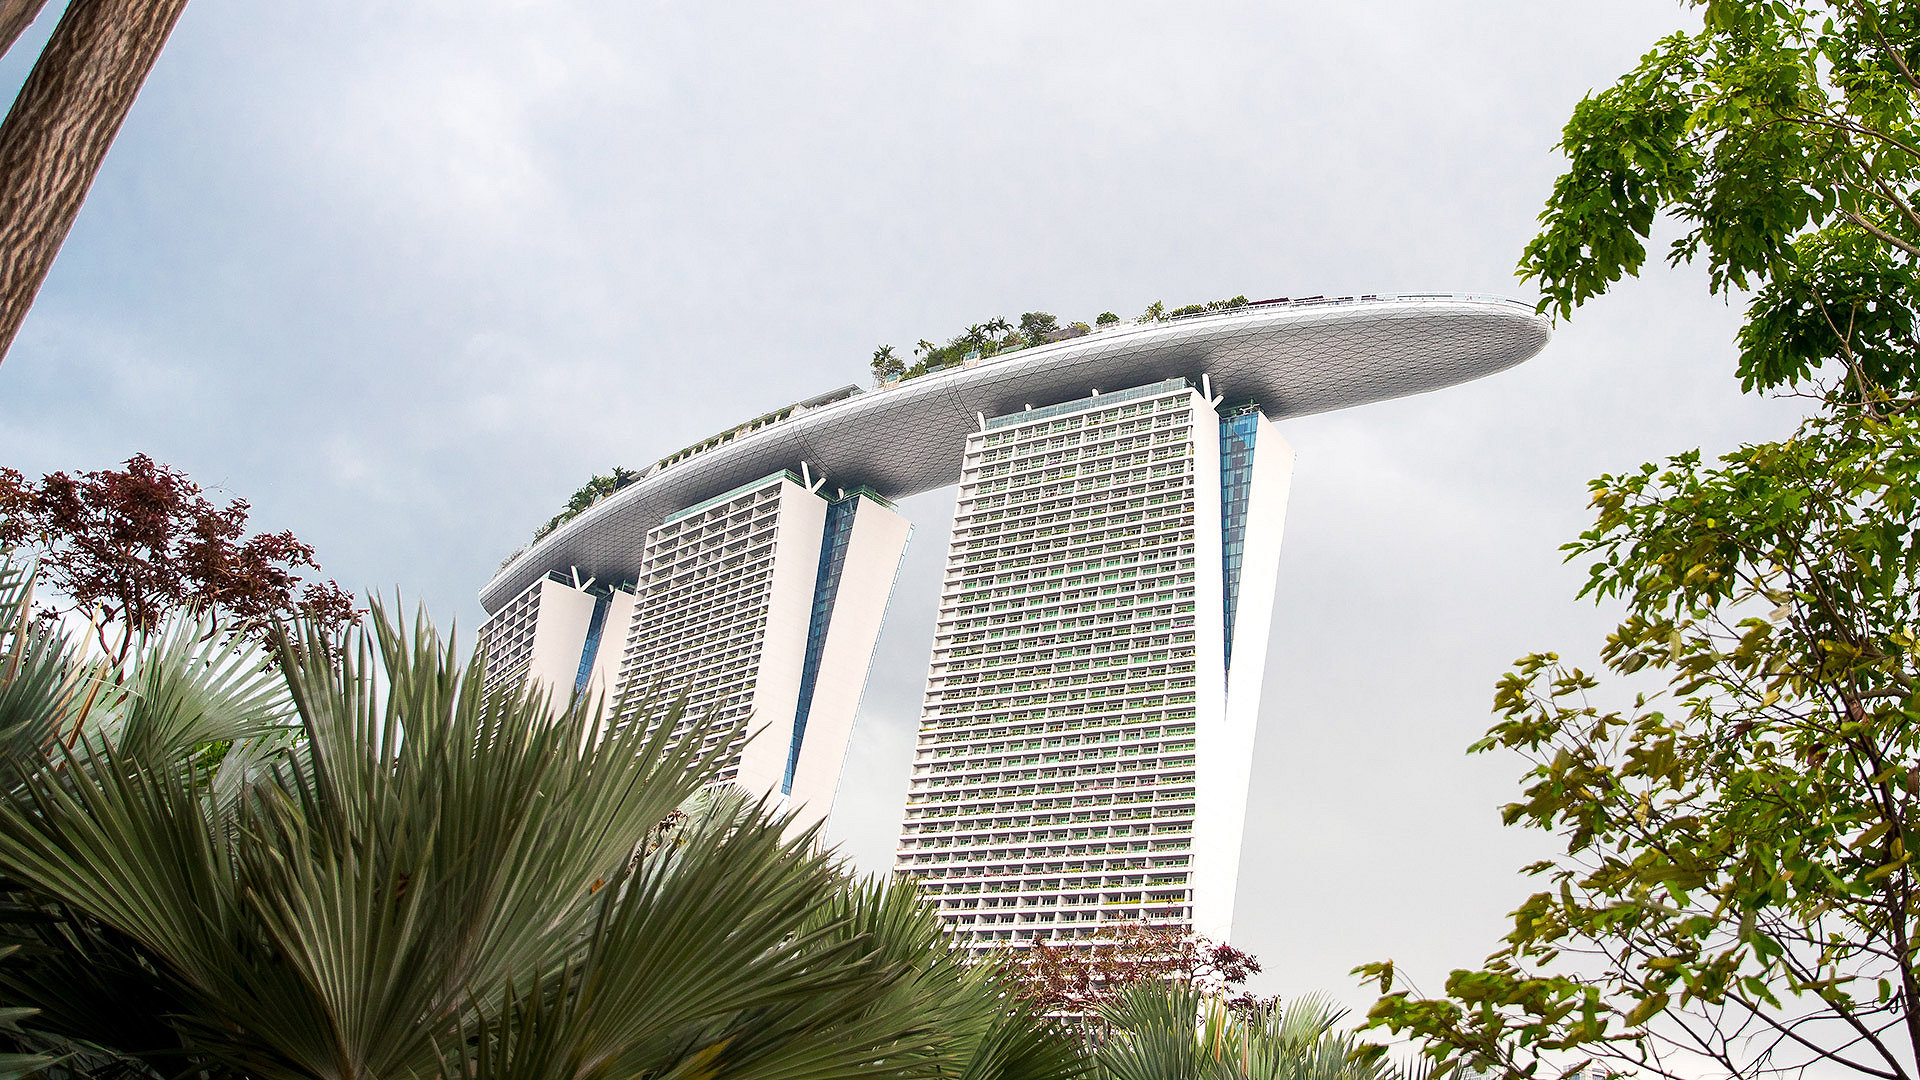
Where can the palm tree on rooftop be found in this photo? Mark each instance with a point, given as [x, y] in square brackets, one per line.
[886, 365]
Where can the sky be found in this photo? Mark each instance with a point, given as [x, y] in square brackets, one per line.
[403, 276]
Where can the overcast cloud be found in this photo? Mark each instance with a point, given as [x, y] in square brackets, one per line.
[403, 275]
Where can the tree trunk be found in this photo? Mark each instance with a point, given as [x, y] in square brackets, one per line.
[58, 132]
[15, 17]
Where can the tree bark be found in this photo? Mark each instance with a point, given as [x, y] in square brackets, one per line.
[15, 17]
[59, 129]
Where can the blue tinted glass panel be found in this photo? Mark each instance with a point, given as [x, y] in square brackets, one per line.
[1236, 481]
[826, 585]
[588, 651]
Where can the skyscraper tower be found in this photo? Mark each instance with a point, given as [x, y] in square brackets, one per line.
[1085, 742]
[1088, 726]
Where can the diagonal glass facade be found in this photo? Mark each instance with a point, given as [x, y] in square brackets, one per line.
[826, 585]
[1236, 486]
[596, 626]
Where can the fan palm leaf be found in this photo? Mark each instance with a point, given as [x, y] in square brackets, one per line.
[706, 963]
[426, 878]
[988, 1032]
[1172, 1031]
[431, 846]
[44, 686]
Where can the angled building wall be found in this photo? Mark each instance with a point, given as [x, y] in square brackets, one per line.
[1256, 476]
[539, 636]
[859, 563]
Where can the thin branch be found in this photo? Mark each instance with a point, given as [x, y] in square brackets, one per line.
[1886, 47]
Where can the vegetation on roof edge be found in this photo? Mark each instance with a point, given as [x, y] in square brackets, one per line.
[978, 341]
[997, 335]
[595, 489]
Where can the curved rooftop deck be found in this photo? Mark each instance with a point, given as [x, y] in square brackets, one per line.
[1294, 358]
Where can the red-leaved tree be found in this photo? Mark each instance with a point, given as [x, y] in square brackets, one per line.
[125, 548]
[1077, 978]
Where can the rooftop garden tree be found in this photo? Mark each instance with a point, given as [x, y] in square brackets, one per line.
[596, 488]
[1036, 325]
[886, 366]
[998, 335]
[1734, 891]
[126, 548]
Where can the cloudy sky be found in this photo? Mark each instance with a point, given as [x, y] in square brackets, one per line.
[403, 275]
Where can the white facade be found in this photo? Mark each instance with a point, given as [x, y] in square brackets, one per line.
[540, 635]
[1081, 762]
[763, 602]
[1225, 765]
[724, 593]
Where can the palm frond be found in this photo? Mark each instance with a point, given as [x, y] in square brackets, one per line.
[988, 1032]
[191, 684]
[1172, 1031]
[394, 872]
[45, 687]
[433, 845]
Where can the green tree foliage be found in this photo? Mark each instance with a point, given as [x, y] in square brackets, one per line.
[396, 874]
[1737, 885]
[1158, 312]
[1735, 893]
[1036, 325]
[997, 335]
[1783, 137]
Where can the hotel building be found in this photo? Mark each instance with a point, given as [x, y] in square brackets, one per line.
[1087, 734]
[1084, 746]
[762, 603]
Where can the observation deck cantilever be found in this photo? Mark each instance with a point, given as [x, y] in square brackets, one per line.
[1294, 358]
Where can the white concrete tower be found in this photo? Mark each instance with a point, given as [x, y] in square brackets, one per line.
[765, 602]
[762, 602]
[550, 634]
[1084, 746]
